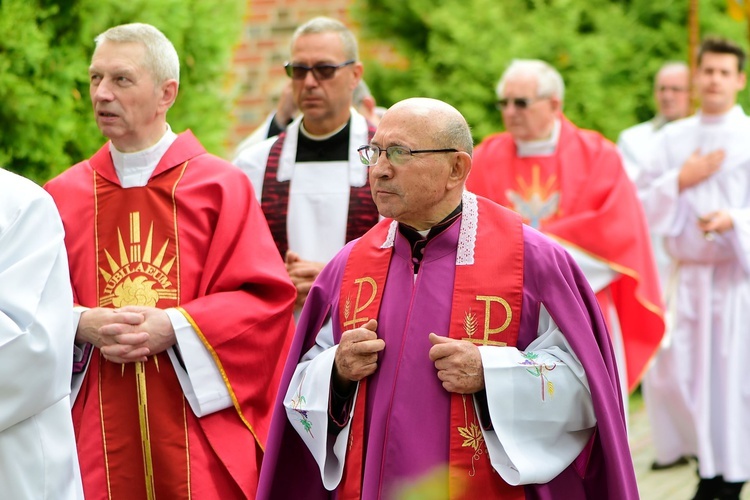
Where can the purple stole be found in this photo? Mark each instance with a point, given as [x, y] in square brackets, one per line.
[363, 214]
[486, 310]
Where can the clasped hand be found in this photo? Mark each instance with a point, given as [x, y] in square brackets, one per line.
[458, 363]
[128, 334]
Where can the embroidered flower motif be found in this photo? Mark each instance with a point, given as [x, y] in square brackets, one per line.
[539, 370]
[135, 292]
[472, 436]
[297, 405]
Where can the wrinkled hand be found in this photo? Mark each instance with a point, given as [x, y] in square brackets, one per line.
[697, 168]
[303, 274]
[458, 363]
[357, 355]
[715, 222]
[116, 332]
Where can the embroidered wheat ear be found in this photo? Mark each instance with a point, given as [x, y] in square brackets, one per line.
[470, 323]
[347, 307]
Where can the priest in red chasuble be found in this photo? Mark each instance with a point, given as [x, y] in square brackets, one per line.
[570, 184]
[183, 303]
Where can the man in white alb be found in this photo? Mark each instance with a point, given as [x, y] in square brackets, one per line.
[636, 144]
[696, 193]
[37, 446]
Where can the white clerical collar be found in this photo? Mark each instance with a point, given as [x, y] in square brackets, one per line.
[323, 137]
[543, 147]
[135, 169]
[722, 118]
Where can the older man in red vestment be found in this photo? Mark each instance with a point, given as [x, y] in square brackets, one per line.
[570, 184]
[185, 305]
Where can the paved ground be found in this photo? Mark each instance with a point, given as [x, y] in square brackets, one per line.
[678, 483]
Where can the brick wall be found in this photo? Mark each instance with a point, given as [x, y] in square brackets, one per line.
[257, 74]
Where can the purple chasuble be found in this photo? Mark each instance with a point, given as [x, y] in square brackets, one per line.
[408, 411]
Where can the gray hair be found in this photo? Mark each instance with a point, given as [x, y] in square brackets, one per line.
[328, 25]
[457, 133]
[161, 57]
[550, 83]
[671, 67]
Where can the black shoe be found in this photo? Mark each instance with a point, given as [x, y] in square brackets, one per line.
[680, 461]
[708, 489]
[729, 491]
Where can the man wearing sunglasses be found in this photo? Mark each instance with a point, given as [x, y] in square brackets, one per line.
[570, 183]
[445, 366]
[286, 111]
[312, 187]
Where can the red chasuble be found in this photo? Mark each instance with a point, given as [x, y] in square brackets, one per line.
[581, 196]
[192, 238]
[477, 291]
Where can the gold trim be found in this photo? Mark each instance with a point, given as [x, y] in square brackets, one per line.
[486, 342]
[649, 306]
[104, 433]
[148, 464]
[96, 238]
[224, 376]
[176, 233]
[620, 269]
[187, 448]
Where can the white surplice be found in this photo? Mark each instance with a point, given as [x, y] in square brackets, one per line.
[318, 191]
[696, 394]
[38, 458]
[636, 145]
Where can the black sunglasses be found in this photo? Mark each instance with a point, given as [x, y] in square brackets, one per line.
[518, 102]
[320, 71]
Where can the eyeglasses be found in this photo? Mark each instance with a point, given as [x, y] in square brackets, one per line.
[671, 88]
[397, 155]
[518, 102]
[320, 71]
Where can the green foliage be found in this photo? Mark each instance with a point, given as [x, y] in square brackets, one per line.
[607, 51]
[46, 122]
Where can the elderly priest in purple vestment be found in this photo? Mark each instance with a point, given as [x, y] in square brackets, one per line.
[468, 358]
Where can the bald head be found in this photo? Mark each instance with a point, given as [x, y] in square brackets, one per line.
[441, 120]
[420, 180]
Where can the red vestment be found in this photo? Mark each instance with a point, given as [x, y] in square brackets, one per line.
[193, 238]
[582, 197]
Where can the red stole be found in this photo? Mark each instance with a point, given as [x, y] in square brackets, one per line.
[486, 310]
[145, 439]
[363, 214]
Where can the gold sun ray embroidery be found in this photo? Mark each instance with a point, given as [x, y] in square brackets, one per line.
[136, 279]
[535, 201]
[147, 250]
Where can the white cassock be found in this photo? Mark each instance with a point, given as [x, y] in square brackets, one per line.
[696, 392]
[38, 458]
[636, 146]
